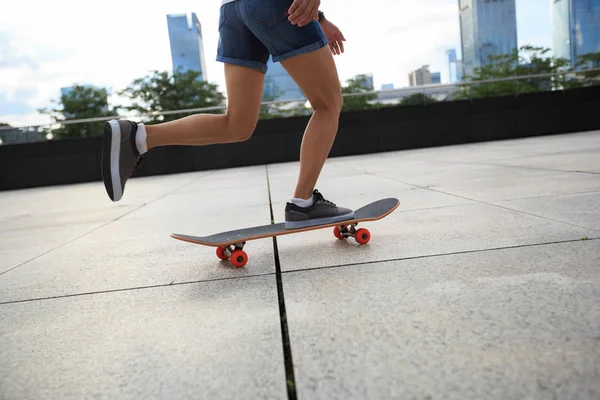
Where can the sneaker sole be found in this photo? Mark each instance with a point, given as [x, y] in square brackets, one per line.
[110, 160]
[318, 221]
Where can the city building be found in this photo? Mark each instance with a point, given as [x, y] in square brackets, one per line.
[21, 135]
[367, 81]
[454, 66]
[419, 77]
[576, 25]
[187, 49]
[387, 86]
[423, 76]
[279, 85]
[487, 28]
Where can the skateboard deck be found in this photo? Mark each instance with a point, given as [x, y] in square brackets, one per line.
[230, 244]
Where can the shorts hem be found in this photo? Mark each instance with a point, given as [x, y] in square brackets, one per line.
[243, 63]
[303, 50]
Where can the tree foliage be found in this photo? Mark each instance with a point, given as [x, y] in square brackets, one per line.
[358, 101]
[417, 99]
[80, 102]
[163, 91]
[527, 60]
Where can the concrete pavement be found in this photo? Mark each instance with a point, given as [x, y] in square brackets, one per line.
[485, 283]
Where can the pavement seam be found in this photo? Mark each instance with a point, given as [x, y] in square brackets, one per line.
[439, 255]
[133, 288]
[525, 167]
[285, 337]
[103, 225]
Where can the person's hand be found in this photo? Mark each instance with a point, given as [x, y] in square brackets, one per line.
[302, 12]
[334, 36]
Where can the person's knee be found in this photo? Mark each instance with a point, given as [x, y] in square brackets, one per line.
[331, 104]
[240, 129]
[339, 102]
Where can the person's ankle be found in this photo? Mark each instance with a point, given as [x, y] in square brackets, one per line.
[141, 139]
[302, 202]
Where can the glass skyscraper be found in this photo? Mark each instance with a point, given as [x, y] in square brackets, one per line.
[187, 50]
[454, 66]
[279, 85]
[487, 27]
[576, 28]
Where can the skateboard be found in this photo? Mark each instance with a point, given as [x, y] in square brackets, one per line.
[230, 244]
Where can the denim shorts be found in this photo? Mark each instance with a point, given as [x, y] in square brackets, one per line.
[250, 31]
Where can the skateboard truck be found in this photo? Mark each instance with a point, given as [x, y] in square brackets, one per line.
[361, 235]
[234, 253]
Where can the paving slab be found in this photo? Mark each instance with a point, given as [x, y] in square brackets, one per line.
[506, 324]
[86, 202]
[430, 171]
[489, 183]
[35, 221]
[483, 152]
[582, 209]
[521, 188]
[137, 251]
[581, 160]
[22, 245]
[213, 340]
[516, 149]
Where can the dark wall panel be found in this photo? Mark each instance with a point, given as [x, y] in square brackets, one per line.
[360, 132]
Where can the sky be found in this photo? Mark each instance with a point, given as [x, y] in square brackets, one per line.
[48, 45]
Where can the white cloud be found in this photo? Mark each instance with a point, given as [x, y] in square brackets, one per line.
[111, 43]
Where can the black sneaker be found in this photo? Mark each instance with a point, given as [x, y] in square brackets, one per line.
[321, 212]
[120, 156]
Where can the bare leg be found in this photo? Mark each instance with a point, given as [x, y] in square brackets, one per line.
[244, 94]
[317, 76]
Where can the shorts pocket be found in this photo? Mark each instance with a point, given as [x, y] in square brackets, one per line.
[267, 12]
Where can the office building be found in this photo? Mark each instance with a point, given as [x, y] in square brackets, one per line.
[487, 28]
[576, 25]
[387, 86]
[454, 66]
[279, 85]
[187, 49]
[423, 76]
[366, 81]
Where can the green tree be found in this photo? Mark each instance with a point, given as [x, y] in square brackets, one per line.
[417, 99]
[585, 78]
[358, 101]
[527, 60]
[163, 91]
[80, 102]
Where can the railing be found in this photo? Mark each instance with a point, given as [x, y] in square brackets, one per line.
[444, 92]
